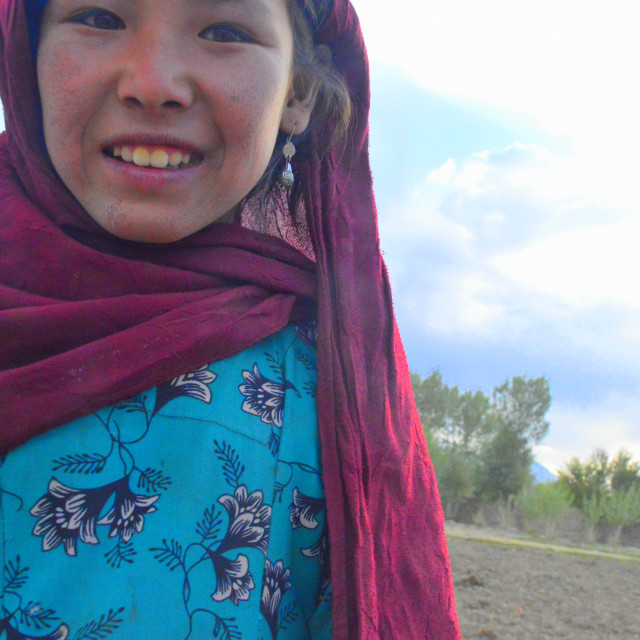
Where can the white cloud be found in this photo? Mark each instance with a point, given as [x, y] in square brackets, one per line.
[565, 64]
[512, 241]
[584, 267]
[442, 175]
[576, 431]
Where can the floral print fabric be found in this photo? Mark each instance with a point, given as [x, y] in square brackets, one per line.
[195, 510]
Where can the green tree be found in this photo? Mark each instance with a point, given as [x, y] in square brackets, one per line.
[432, 400]
[599, 476]
[452, 417]
[514, 423]
[455, 472]
[586, 480]
[625, 472]
[504, 465]
[523, 402]
[453, 423]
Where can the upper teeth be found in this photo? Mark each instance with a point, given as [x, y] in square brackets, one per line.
[158, 158]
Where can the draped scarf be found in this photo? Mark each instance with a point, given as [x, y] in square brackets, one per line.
[87, 320]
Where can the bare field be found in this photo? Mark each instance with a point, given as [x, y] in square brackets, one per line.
[515, 592]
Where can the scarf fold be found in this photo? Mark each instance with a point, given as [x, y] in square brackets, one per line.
[87, 320]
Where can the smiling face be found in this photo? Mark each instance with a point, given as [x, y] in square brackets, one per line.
[161, 116]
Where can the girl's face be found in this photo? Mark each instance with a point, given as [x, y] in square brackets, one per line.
[161, 115]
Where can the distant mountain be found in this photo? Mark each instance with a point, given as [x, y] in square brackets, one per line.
[542, 474]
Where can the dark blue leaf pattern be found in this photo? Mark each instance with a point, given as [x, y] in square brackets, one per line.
[232, 468]
[170, 554]
[122, 552]
[80, 463]
[153, 480]
[209, 527]
[118, 496]
[33, 614]
[98, 629]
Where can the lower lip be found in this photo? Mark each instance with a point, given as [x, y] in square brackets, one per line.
[150, 178]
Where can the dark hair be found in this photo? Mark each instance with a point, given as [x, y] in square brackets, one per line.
[332, 111]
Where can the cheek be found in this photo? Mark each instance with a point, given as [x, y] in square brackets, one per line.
[64, 94]
[256, 112]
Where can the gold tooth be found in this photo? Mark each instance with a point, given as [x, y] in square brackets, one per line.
[117, 152]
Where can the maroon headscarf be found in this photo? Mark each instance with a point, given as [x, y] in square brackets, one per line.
[86, 320]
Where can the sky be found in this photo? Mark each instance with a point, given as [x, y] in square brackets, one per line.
[504, 150]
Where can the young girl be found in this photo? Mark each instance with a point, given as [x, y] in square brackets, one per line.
[206, 422]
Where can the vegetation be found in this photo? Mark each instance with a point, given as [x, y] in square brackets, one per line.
[543, 504]
[482, 446]
[482, 449]
[607, 491]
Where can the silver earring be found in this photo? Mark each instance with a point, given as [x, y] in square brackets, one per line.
[288, 151]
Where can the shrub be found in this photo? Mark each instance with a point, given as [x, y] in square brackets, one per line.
[620, 509]
[543, 504]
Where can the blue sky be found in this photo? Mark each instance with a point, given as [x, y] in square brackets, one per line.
[504, 143]
[503, 146]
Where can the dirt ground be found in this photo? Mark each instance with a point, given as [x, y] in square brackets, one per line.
[506, 592]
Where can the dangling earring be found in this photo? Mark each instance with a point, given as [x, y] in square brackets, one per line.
[288, 151]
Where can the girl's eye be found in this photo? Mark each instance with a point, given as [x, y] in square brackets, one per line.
[99, 19]
[224, 33]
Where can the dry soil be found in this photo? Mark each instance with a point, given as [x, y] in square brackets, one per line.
[513, 592]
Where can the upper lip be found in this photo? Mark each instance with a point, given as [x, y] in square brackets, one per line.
[153, 139]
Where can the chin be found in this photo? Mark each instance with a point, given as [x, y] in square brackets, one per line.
[152, 226]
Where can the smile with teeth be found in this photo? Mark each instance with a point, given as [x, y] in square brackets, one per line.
[156, 157]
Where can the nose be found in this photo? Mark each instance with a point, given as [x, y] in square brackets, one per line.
[155, 76]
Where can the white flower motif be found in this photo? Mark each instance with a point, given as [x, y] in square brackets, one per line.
[190, 385]
[194, 384]
[264, 398]
[233, 578]
[126, 516]
[249, 520]
[275, 584]
[66, 515]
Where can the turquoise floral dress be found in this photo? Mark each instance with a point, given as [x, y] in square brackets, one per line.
[195, 510]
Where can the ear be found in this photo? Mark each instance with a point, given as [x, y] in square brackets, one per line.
[303, 91]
